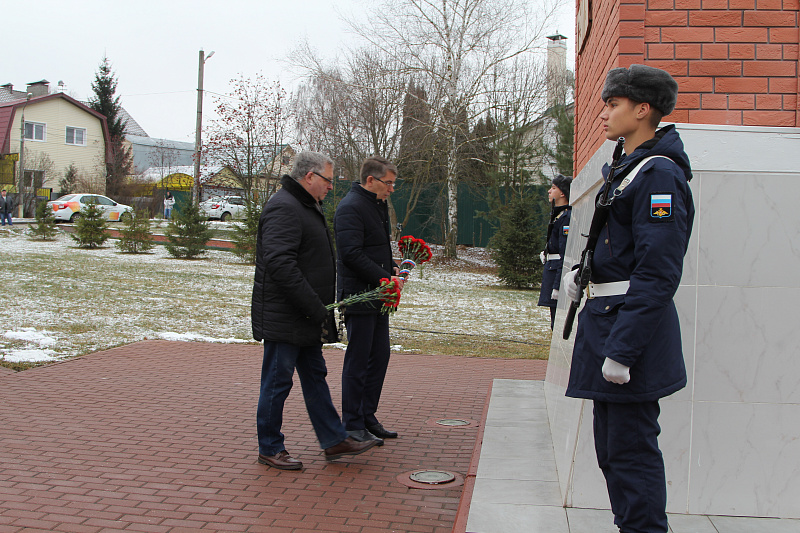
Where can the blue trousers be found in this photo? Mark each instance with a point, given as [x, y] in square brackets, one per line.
[280, 360]
[626, 443]
[6, 216]
[364, 369]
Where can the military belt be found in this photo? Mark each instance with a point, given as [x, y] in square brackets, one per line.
[600, 290]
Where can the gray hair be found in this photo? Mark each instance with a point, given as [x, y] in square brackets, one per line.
[306, 162]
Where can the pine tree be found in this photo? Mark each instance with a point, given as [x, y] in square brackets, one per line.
[517, 243]
[90, 227]
[246, 233]
[135, 234]
[104, 102]
[45, 227]
[187, 232]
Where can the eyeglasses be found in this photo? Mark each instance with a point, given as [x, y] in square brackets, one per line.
[323, 177]
[391, 184]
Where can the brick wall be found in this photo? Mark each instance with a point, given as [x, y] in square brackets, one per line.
[735, 61]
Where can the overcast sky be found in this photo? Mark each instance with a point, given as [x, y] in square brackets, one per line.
[153, 48]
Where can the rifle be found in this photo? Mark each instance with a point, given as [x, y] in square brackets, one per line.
[599, 219]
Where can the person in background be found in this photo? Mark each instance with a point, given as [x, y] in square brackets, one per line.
[556, 245]
[169, 201]
[364, 249]
[295, 279]
[628, 351]
[6, 206]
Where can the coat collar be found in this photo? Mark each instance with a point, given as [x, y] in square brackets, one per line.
[297, 190]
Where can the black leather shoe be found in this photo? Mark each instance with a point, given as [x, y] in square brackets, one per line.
[281, 460]
[379, 431]
[362, 434]
[348, 446]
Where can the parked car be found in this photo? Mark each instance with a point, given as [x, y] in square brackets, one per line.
[69, 207]
[224, 208]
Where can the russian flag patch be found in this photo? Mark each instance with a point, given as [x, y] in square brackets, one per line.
[566, 230]
[660, 206]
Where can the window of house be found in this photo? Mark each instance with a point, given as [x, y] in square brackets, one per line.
[34, 131]
[76, 136]
[33, 178]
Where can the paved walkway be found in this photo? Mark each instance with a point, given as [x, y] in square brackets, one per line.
[160, 436]
[515, 488]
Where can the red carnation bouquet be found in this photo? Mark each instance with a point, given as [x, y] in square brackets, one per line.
[387, 293]
[415, 252]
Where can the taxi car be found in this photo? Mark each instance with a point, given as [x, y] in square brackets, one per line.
[68, 208]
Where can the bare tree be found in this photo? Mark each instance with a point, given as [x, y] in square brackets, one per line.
[250, 132]
[452, 47]
[351, 110]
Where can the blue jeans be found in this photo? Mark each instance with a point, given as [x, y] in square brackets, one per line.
[364, 370]
[167, 213]
[6, 216]
[280, 360]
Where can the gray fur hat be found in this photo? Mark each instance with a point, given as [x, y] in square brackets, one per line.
[642, 84]
[563, 183]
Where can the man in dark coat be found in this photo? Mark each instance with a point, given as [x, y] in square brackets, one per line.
[363, 245]
[556, 246]
[294, 281]
[6, 207]
[628, 352]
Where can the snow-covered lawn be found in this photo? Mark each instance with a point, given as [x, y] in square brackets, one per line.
[61, 301]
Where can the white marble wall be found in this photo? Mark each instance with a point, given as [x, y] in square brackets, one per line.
[731, 438]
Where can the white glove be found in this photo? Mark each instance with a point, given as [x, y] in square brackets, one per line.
[542, 257]
[554, 294]
[569, 283]
[616, 372]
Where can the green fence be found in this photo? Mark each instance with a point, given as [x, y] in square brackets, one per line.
[427, 219]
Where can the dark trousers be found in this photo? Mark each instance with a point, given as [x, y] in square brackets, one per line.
[626, 442]
[552, 318]
[365, 364]
[280, 360]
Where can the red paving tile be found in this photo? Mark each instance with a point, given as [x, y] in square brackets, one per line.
[160, 436]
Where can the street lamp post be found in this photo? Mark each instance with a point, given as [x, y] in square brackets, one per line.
[197, 142]
[21, 162]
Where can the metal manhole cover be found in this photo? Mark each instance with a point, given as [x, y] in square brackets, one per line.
[452, 422]
[432, 477]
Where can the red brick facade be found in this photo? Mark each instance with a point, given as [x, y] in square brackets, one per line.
[735, 61]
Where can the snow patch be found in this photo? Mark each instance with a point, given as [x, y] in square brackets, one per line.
[27, 356]
[171, 336]
[32, 336]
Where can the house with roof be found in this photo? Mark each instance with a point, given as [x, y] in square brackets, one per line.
[54, 131]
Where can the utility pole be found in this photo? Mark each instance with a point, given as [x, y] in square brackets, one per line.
[197, 141]
[21, 162]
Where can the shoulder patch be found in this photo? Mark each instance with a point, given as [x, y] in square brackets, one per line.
[566, 230]
[661, 206]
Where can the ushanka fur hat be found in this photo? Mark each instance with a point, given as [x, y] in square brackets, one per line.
[563, 183]
[642, 84]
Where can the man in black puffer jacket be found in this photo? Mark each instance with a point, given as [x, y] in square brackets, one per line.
[294, 281]
[364, 250]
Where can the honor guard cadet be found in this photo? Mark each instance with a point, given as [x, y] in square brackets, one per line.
[553, 255]
[627, 352]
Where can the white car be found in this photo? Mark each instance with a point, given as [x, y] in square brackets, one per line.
[224, 208]
[68, 207]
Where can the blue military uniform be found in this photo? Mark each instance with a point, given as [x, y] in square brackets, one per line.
[644, 241]
[554, 254]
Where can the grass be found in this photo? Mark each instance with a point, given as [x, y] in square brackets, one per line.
[89, 300]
